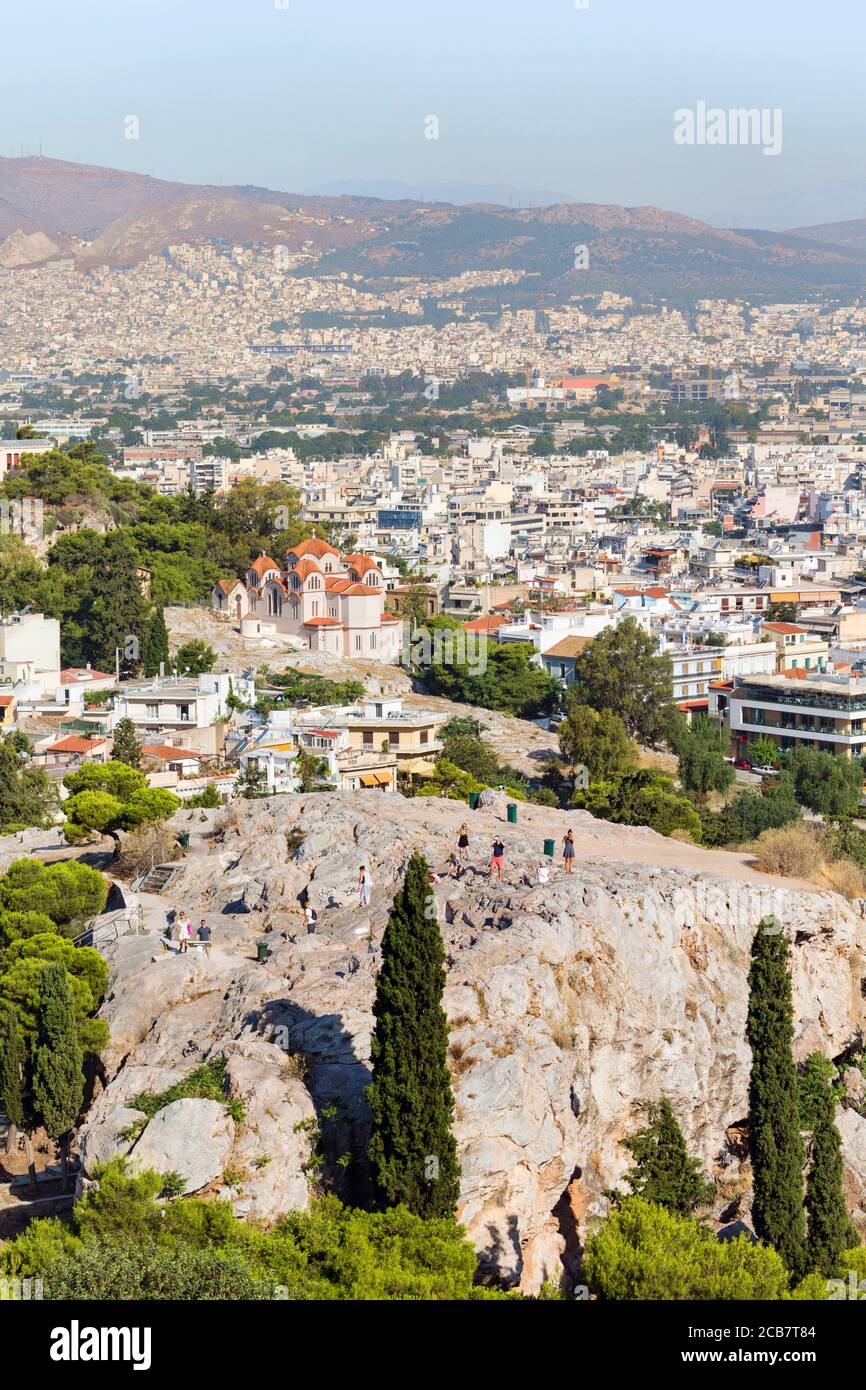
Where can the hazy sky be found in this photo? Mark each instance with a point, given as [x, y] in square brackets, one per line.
[535, 96]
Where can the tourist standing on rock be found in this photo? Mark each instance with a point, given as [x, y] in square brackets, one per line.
[497, 858]
[312, 917]
[184, 932]
[365, 886]
[568, 852]
[204, 936]
[463, 844]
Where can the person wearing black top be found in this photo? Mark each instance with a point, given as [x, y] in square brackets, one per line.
[497, 858]
[203, 935]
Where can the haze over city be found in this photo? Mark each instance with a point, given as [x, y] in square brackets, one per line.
[543, 101]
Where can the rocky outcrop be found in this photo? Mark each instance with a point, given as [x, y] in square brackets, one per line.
[571, 1004]
[192, 1138]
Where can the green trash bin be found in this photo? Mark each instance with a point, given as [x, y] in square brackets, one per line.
[183, 840]
[263, 950]
[550, 848]
[473, 800]
[512, 812]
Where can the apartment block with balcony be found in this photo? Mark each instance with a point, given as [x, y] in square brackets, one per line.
[364, 745]
[184, 712]
[796, 646]
[798, 709]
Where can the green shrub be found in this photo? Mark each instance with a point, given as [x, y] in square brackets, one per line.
[111, 1269]
[643, 1252]
[120, 1243]
[205, 1083]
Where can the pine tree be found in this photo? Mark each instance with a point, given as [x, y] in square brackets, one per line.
[156, 645]
[126, 748]
[58, 1078]
[830, 1228]
[412, 1152]
[775, 1142]
[664, 1172]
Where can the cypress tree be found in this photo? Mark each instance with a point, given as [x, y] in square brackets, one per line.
[412, 1151]
[115, 608]
[126, 747]
[156, 644]
[775, 1142]
[13, 1073]
[830, 1228]
[664, 1172]
[58, 1078]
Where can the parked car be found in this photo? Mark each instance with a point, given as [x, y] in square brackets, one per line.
[743, 764]
[766, 771]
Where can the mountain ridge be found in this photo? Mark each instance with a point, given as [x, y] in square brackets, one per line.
[99, 215]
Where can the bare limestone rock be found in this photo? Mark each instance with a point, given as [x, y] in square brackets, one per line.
[571, 1004]
[191, 1137]
[276, 1139]
[103, 1138]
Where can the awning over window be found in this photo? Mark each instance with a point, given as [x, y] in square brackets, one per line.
[374, 779]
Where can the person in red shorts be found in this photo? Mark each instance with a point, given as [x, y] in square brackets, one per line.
[497, 858]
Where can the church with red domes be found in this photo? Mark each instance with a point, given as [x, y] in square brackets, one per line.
[334, 603]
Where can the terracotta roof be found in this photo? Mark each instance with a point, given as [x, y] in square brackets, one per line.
[337, 583]
[166, 753]
[355, 589]
[785, 627]
[263, 564]
[488, 624]
[305, 567]
[361, 563]
[313, 547]
[228, 584]
[75, 744]
[82, 673]
[6, 699]
[568, 646]
[390, 618]
[323, 622]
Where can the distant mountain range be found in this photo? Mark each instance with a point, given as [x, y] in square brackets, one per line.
[457, 192]
[51, 209]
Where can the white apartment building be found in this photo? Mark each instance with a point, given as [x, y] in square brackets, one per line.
[14, 452]
[29, 655]
[181, 711]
